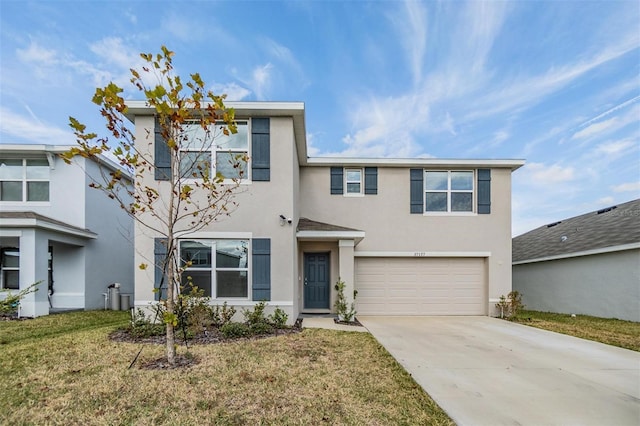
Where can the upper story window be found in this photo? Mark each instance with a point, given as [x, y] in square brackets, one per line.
[211, 151]
[353, 181]
[448, 191]
[24, 180]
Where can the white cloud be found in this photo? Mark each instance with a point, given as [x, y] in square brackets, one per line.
[16, 128]
[614, 148]
[627, 187]
[261, 79]
[412, 24]
[233, 91]
[540, 174]
[632, 116]
[36, 54]
[606, 201]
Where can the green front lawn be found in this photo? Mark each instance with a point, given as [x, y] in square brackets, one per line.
[625, 334]
[62, 369]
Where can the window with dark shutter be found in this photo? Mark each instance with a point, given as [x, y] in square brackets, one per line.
[162, 156]
[371, 180]
[261, 269]
[337, 180]
[160, 260]
[484, 191]
[416, 190]
[260, 150]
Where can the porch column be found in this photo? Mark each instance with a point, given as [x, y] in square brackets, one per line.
[34, 252]
[346, 270]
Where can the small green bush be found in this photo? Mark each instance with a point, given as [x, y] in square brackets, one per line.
[222, 315]
[235, 329]
[9, 305]
[255, 315]
[278, 318]
[141, 326]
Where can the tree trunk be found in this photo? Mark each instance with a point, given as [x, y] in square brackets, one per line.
[171, 306]
[171, 344]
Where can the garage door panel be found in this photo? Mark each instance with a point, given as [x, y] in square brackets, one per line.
[420, 286]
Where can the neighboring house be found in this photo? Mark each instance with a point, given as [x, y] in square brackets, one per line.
[588, 264]
[417, 236]
[56, 230]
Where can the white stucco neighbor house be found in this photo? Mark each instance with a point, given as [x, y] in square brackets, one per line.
[413, 236]
[56, 230]
[588, 264]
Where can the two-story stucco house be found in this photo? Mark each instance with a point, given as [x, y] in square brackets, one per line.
[56, 231]
[416, 236]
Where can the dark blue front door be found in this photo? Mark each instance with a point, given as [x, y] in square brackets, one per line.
[316, 281]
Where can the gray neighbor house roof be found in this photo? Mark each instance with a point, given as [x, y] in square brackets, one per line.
[612, 227]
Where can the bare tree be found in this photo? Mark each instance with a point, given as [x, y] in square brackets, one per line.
[190, 186]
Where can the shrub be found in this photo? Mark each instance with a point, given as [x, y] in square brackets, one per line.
[345, 313]
[141, 326]
[222, 315]
[9, 305]
[278, 318]
[510, 305]
[256, 320]
[255, 315]
[235, 329]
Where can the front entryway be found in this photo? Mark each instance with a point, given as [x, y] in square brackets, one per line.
[316, 281]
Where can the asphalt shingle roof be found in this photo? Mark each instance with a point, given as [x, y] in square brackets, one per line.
[612, 226]
[305, 224]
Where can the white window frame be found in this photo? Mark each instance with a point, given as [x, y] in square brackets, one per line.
[9, 268]
[213, 269]
[215, 148]
[450, 191]
[25, 180]
[347, 182]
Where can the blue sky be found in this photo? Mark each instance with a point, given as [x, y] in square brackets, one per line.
[554, 82]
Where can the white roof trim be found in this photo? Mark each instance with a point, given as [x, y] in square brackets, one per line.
[330, 235]
[48, 150]
[602, 250]
[44, 224]
[513, 164]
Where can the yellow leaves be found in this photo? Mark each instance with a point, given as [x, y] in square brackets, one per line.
[143, 266]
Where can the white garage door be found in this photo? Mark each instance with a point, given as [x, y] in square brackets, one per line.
[420, 286]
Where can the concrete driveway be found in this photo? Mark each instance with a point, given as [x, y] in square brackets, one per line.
[486, 371]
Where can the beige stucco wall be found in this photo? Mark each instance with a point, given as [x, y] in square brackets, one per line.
[389, 226]
[260, 205]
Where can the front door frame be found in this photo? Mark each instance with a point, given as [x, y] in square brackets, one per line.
[305, 256]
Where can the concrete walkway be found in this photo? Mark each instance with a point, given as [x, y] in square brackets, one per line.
[486, 371]
[329, 323]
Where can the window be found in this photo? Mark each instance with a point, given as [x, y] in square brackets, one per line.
[10, 268]
[448, 191]
[223, 275]
[24, 180]
[353, 181]
[208, 152]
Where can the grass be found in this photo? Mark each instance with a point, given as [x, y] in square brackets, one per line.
[62, 369]
[625, 334]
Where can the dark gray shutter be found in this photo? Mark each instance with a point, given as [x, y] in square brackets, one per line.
[484, 191]
[160, 259]
[417, 190]
[337, 180]
[162, 155]
[370, 180]
[260, 150]
[261, 269]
